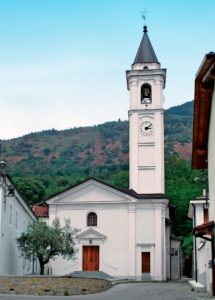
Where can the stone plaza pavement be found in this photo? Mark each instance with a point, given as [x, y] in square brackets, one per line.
[131, 291]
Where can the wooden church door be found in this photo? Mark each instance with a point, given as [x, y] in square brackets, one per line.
[145, 262]
[90, 258]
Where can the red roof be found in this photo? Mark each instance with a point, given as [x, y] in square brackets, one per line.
[41, 210]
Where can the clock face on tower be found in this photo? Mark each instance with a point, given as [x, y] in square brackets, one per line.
[146, 128]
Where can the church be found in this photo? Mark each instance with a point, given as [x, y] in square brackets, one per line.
[125, 232]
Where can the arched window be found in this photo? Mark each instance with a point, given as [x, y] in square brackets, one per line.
[92, 219]
[146, 93]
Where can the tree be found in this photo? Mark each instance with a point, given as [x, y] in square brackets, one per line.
[119, 179]
[187, 245]
[46, 242]
[31, 188]
[181, 187]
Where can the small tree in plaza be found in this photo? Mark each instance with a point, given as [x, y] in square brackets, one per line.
[45, 242]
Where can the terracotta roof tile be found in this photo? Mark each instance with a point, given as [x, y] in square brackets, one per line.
[41, 211]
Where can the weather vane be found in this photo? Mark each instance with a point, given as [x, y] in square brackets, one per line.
[144, 14]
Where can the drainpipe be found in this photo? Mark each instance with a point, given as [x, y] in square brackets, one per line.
[1, 221]
[213, 262]
[33, 265]
[196, 264]
[170, 260]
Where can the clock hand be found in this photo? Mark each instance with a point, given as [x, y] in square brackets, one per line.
[148, 127]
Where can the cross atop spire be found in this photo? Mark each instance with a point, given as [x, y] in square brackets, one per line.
[144, 14]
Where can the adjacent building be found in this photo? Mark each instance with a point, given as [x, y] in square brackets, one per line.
[198, 212]
[203, 156]
[15, 215]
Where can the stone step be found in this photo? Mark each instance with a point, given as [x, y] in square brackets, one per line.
[146, 277]
[197, 286]
[91, 274]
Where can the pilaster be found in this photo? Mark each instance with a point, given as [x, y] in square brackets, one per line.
[160, 243]
[132, 239]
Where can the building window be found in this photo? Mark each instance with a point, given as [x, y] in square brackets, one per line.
[174, 252]
[24, 225]
[206, 219]
[146, 93]
[92, 219]
[10, 214]
[28, 264]
[16, 220]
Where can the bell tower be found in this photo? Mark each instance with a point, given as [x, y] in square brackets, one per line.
[145, 82]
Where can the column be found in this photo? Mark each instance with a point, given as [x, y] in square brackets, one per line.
[132, 240]
[160, 254]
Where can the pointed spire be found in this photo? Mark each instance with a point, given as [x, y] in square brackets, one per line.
[145, 53]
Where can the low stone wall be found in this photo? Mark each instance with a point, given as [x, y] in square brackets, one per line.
[51, 285]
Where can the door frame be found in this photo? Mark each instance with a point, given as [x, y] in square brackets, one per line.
[142, 261]
[98, 247]
[150, 247]
[90, 237]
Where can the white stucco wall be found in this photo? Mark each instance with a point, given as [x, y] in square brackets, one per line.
[154, 77]
[146, 169]
[126, 227]
[145, 224]
[175, 258]
[14, 217]
[146, 152]
[111, 223]
[202, 248]
[151, 237]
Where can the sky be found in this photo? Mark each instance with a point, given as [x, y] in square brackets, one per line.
[63, 62]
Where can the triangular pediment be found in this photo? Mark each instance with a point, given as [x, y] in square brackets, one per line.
[91, 233]
[91, 191]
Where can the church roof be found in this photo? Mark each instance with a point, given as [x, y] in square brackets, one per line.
[143, 196]
[129, 192]
[145, 53]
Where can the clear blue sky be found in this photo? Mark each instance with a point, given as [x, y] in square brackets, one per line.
[63, 62]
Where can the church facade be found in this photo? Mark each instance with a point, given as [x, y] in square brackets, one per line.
[125, 232]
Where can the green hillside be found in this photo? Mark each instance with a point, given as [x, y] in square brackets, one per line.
[58, 159]
[103, 147]
[45, 163]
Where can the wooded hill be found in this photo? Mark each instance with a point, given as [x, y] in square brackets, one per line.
[45, 163]
[92, 150]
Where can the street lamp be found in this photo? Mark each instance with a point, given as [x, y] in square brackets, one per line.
[206, 196]
[2, 165]
[7, 189]
[3, 181]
